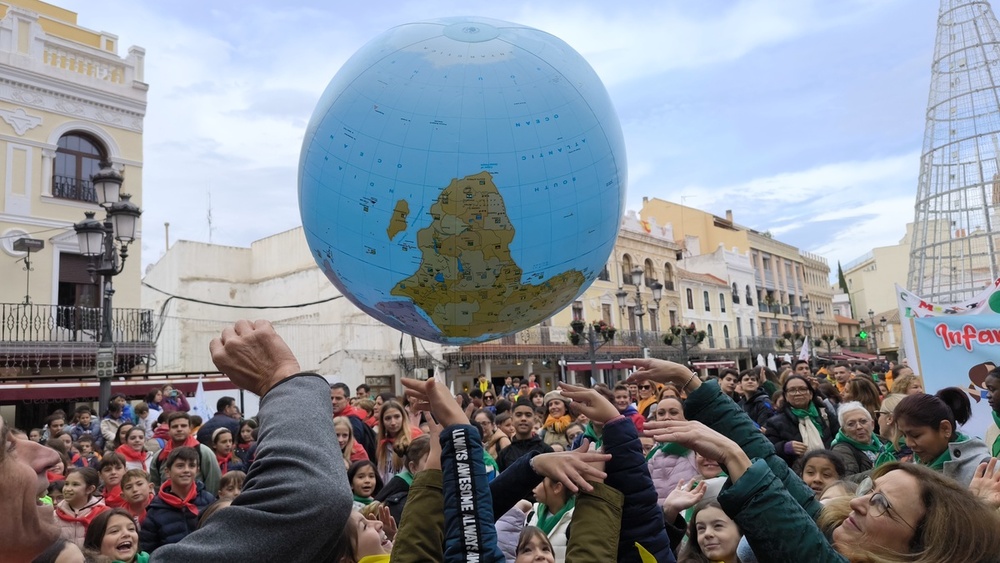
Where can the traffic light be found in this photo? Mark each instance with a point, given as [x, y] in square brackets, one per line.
[863, 335]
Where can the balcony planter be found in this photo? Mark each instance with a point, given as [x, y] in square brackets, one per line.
[577, 326]
[840, 342]
[786, 335]
[675, 330]
[780, 343]
[668, 339]
[609, 334]
[575, 338]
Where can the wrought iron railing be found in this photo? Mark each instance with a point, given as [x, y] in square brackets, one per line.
[68, 187]
[56, 323]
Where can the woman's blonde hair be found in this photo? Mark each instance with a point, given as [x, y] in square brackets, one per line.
[902, 384]
[956, 526]
[400, 442]
[349, 447]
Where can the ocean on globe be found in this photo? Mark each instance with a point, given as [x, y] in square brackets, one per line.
[463, 178]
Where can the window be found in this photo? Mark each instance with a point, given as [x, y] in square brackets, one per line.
[749, 296]
[690, 298]
[711, 337]
[648, 275]
[79, 298]
[626, 269]
[739, 328]
[605, 275]
[577, 311]
[668, 277]
[78, 157]
[722, 302]
[673, 318]
[736, 294]
[606, 312]
[708, 303]
[725, 335]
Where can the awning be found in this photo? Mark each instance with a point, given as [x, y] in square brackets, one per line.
[716, 364]
[134, 388]
[600, 364]
[859, 355]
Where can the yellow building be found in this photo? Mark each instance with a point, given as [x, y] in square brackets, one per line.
[68, 102]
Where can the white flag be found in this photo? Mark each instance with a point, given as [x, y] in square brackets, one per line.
[804, 352]
[198, 405]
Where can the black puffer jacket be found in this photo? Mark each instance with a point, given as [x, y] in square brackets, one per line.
[784, 427]
[165, 524]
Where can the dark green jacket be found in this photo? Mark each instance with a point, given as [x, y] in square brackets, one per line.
[772, 506]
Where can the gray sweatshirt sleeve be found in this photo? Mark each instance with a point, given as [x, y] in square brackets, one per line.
[278, 516]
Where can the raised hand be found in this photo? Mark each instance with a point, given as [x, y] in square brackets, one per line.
[702, 439]
[685, 495]
[986, 483]
[661, 371]
[434, 397]
[573, 469]
[589, 402]
[253, 356]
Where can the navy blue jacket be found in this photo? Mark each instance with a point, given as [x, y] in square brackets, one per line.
[518, 448]
[642, 518]
[165, 524]
[469, 533]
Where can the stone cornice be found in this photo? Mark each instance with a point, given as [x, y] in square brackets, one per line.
[66, 99]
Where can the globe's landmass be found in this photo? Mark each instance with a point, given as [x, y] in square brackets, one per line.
[463, 178]
[467, 282]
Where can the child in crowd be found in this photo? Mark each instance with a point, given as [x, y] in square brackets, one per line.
[349, 447]
[85, 456]
[134, 449]
[144, 420]
[365, 482]
[173, 512]
[79, 505]
[553, 513]
[368, 406]
[112, 469]
[113, 534]
[394, 493]
[394, 435]
[58, 471]
[35, 435]
[55, 423]
[137, 492]
[712, 536]
[86, 425]
[505, 422]
[64, 438]
[245, 442]
[222, 445]
[54, 493]
[231, 485]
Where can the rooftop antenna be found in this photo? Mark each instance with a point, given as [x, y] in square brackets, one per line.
[210, 227]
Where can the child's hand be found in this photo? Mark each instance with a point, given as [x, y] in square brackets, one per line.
[388, 523]
[685, 495]
[434, 397]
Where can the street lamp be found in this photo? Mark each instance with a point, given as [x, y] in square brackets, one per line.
[640, 311]
[97, 241]
[875, 329]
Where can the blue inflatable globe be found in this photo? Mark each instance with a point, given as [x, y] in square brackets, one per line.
[463, 178]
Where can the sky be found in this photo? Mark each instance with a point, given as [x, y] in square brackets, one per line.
[803, 117]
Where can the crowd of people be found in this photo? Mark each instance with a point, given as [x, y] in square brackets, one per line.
[847, 463]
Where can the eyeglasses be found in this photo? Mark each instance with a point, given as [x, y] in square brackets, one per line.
[797, 391]
[645, 387]
[487, 397]
[878, 502]
[857, 424]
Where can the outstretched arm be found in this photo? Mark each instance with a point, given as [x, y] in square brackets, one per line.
[297, 455]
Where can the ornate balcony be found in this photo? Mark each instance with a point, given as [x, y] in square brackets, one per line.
[54, 335]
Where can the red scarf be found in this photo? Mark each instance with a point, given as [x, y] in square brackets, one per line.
[95, 508]
[177, 502]
[224, 462]
[81, 459]
[140, 514]
[191, 442]
[131, 455]
[113, 497]
[53, 477]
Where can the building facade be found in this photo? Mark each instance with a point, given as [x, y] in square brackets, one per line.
[68, 102]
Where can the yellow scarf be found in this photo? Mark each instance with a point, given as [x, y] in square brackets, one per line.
[558, 425]
[384, 558]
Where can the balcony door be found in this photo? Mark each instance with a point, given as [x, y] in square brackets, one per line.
[79, 299]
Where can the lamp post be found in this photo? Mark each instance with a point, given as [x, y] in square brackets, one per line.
[875, 329]
[97, 241]
[657, 289]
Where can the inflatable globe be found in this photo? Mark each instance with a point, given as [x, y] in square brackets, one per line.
[463, 178]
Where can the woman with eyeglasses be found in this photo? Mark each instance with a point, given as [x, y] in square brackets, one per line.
[907, 513]
[490, 401]
[856, 444]
[804, 422]
[493, 438]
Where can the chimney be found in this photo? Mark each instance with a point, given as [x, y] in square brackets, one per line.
[645, 200]
[729, 215]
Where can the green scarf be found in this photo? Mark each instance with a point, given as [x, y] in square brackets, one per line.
[406, 476]
[668, 448]
[364, 500]
[996, 443]
[489, 462]
[873, 447]
[548, 521]
[812, 412]
[595, 441]
[939, 461]
[888, 452]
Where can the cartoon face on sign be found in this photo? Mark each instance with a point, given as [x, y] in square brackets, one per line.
[977, 377]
